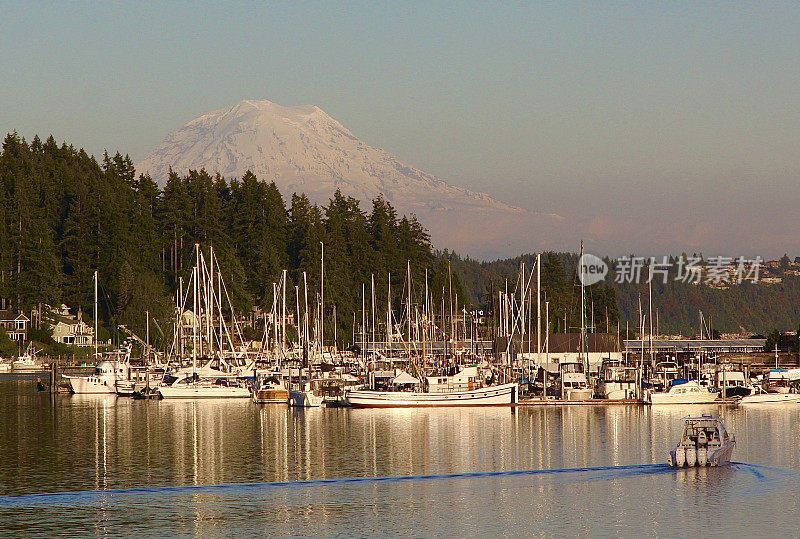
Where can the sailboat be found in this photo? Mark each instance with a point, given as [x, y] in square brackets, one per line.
[465, 388]
[205, 381]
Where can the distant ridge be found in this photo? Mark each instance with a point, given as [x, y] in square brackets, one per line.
[302, 149]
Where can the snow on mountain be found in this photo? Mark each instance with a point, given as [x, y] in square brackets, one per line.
[302, 149]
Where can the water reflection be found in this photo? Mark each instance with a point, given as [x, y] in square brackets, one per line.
[71, 443]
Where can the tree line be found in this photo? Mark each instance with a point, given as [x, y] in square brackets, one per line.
[64, 215]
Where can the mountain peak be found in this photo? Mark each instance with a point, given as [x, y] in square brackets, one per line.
[303, 149]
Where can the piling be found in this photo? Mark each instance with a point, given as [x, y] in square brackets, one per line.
[53, 376]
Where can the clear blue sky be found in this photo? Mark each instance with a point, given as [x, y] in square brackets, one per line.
[658, 126]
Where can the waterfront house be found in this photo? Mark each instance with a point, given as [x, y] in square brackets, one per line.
[16, 325]
[72, 330]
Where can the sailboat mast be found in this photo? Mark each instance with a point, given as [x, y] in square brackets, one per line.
[322, 300]
[283, 312]
[408, 302]
[583, 311]
[96, 316]
[539, 309]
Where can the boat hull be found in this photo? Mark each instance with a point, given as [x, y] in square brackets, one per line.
[305, 399]
[711, 398]
[502, 395]
[771, 398]
[90, 385]
[682, 456]
[25, 367]
[584, 394]
[271, 396]
[201, 392]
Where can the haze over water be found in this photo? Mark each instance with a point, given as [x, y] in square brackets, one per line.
[210, 467]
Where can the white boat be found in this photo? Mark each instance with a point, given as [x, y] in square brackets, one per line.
[305, 397]
[759, 396]
[190, 386]
[574, 383]
[778, 381]
[617, 382]
[665, 374]
[687, 393]
[105, 378]
[500, 395]
[28, 361]
[5, 366]
[705, 442]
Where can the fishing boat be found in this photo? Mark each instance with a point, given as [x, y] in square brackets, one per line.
[28, 362]
[683, 393]
[500, 395]
[705, 442]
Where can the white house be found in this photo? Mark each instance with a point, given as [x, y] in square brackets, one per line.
[72, 330]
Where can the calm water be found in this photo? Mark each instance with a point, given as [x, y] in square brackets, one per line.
[125, 467]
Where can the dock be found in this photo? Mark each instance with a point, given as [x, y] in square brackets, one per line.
[538, 401]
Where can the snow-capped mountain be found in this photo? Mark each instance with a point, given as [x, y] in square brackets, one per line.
[304, 150]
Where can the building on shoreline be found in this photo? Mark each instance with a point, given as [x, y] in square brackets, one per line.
[16, 325]
[71, 329]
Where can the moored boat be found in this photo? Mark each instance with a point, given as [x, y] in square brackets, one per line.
[268, 389]
[500, 395]
[705, 442]
[759, 396]
[686, 393]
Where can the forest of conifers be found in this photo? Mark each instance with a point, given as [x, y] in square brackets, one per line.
[64, 215]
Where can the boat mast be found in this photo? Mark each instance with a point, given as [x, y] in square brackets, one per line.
[96, 317]
[389, 311]
[322, 300]
[583, 313]
[372, 301]
[408, 303]
[539, 309]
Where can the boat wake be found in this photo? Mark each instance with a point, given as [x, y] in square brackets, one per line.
[763, 474]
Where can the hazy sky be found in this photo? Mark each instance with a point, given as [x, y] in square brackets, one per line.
[655, 127]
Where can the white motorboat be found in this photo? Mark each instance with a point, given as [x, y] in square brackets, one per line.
[109, 376]
[574, 383]
[686, 393]
[5, 366]
[617, 382]
[778, 381]
[759, 396]
[103, 380]
[305, 397]
[705, 442]
[665, 374]
[500, 395]
[190, 386]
